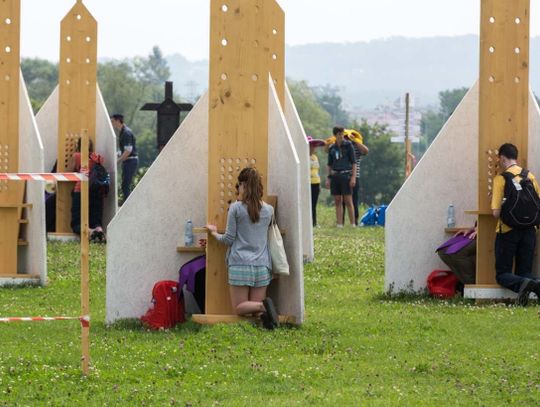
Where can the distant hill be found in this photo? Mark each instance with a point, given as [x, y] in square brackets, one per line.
[370, 73]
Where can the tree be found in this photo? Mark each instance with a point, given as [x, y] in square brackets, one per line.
[382, 170]
[432, 122]
[41, 77]
[330, 100]
[316, 121]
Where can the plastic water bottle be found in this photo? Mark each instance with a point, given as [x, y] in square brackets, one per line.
[451, 219]
[188, 234]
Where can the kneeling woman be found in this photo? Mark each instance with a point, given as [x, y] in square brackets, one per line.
[248, 258]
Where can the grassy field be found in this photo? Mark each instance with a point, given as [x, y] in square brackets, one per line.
[357, 347]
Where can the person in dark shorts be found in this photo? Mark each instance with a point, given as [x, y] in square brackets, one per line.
[341, 175]
[128, 153]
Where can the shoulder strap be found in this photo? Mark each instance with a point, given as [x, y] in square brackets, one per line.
[524, 173]
[508, 176]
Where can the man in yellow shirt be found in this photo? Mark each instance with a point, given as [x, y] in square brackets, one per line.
[513, 243]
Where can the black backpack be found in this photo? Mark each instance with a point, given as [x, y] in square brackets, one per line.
[99, 179]
[521, 204]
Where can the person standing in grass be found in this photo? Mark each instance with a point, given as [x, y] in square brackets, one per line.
[513, 245]
[128, 157]
[341, 175]
[248, 258]
[314, 176]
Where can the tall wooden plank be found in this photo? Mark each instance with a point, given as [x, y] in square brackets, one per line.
[243, 52]
[85, 276]
[77, 97]
[11, 192]
[504, 87]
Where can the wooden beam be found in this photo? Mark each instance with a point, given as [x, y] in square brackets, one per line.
[77, 97]
[11, 192]
[85, 277]
[246, 47]
[504, 98]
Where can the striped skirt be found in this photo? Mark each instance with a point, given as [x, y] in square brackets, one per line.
[251, 276]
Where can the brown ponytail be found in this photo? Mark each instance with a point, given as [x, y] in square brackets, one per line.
[253, 192]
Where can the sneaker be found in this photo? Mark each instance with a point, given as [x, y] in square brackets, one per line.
[271, 312]
[524, 290]
[353, 225]
[536, 290]
[339, 226]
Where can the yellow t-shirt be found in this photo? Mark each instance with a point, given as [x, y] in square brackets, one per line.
[314, 166]
[498, 194]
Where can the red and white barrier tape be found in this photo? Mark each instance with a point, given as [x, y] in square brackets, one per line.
[85, 320]
[55, 176]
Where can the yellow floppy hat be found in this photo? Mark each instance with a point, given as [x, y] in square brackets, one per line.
[352, 135]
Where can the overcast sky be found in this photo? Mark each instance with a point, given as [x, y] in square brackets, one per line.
[132, 27]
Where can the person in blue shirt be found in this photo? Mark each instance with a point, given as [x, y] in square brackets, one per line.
[128, 153]
[341, 179]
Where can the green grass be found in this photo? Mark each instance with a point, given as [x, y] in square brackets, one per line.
[356, 347]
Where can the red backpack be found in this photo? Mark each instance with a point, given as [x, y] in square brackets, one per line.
[168, 306]
[442, 284]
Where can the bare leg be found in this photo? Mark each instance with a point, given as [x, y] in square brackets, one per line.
[350, 207]
[339, 209]
[240, 299]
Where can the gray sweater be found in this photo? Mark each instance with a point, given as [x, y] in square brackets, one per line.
[248, 241]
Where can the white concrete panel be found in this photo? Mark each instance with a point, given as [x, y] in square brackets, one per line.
[47, 122]
[416, 218]
[534, 152]
[284, 181]
[302, 148]
[106, 146]
[143, 236]
[32, 258]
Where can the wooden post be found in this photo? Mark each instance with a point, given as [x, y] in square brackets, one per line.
[246, 47]
[85, 280]
[504, 104]
[11, 192]
[77, 99]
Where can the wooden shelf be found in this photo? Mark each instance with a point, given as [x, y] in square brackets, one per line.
[456, 229]
[477, 212]
[207, 319]
[191, 249]
[205, 231]
[21, 276]
[16, 205]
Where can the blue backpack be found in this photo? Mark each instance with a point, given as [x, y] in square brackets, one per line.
[369, 218]
[381, 215]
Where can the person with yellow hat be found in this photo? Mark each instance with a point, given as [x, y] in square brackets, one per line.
[360, 150]
[341, 168]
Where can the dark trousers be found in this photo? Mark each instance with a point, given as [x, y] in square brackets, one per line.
[462, 263]
[355, 202]
[129, 168]
[315, 190]
[518, 245]
[95, 209]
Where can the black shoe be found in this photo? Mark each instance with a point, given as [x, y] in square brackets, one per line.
[536, 290]
[524, 290]
[266, 323]
[271, 312]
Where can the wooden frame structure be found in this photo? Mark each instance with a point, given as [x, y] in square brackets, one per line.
[504, 110]
[11, 192]
[247, 46]
[77, 99]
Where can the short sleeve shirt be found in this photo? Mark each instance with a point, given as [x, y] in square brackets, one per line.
[341, 158]
[127, 139]
[498, 193]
